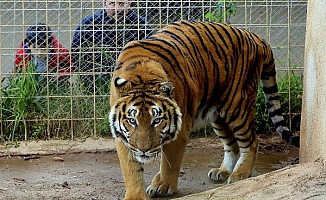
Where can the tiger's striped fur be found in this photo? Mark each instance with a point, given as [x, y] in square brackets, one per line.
[185, 76]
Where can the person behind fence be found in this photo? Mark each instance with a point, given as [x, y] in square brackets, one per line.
[98, 39]
[41, 49]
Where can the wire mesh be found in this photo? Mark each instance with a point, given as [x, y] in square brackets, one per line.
[75, 103]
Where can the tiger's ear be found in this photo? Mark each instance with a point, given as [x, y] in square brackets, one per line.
[120, 82]
[122, 85]
[166, 88]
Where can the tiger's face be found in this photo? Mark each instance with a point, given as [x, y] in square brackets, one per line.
[145, 121]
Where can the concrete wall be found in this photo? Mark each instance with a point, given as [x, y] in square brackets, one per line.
[313, 122]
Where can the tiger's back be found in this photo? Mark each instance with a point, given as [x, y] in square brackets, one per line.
[213, 71]
[210, 63]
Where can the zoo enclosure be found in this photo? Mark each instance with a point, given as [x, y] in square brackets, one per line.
[67, 111]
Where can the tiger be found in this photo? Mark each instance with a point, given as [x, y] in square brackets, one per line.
[183, 77]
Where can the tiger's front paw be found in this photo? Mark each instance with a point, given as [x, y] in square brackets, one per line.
[159, 188]
[218, 175]
[237, 176]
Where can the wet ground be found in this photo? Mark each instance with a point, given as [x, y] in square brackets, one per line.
[97, 175]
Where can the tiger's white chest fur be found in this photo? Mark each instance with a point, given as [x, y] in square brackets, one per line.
[200, 121]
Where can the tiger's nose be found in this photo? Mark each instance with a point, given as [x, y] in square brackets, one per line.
[144, 150]
[144, 145]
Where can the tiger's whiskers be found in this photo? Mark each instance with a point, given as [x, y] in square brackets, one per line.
[163, 154]
[156, 160]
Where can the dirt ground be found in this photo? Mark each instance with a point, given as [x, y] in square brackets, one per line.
[90, 170]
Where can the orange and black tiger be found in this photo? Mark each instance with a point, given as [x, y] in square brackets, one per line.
[185, 76]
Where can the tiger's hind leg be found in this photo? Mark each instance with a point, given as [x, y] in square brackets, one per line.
[240, 148]
[244, 165]
[231, 153]
[247, 141]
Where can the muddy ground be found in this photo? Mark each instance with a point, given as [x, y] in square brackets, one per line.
[90, 169]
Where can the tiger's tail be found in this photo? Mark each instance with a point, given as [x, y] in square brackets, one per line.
[272, 99]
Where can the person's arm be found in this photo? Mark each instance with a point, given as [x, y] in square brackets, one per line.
[22, 57]
[81, 45]
[65, 61]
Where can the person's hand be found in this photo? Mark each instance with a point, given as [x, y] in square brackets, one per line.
[39, 52]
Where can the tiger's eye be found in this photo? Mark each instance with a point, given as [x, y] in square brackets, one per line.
[132, 121]
[157, 121]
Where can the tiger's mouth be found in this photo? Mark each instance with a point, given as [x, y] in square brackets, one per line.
[145, 157]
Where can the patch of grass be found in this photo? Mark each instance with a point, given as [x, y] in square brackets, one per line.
[35, 108]
[20, 102]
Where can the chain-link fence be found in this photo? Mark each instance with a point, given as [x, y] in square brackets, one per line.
[55, 75]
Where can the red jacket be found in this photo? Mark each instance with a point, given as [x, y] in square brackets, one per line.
[59, 61]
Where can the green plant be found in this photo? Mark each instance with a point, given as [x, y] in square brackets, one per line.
[19, 102]
[290, 87]
[38, 130]
[17, 145]
[105, 126]
[223, 12]
[262, 121]
[290, 91]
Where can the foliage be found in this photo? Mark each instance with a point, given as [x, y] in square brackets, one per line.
[19, 101]
[223, 12]
[262, 121]
[290, 91]
[33, 107]
[290, 88]
[38, 131]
